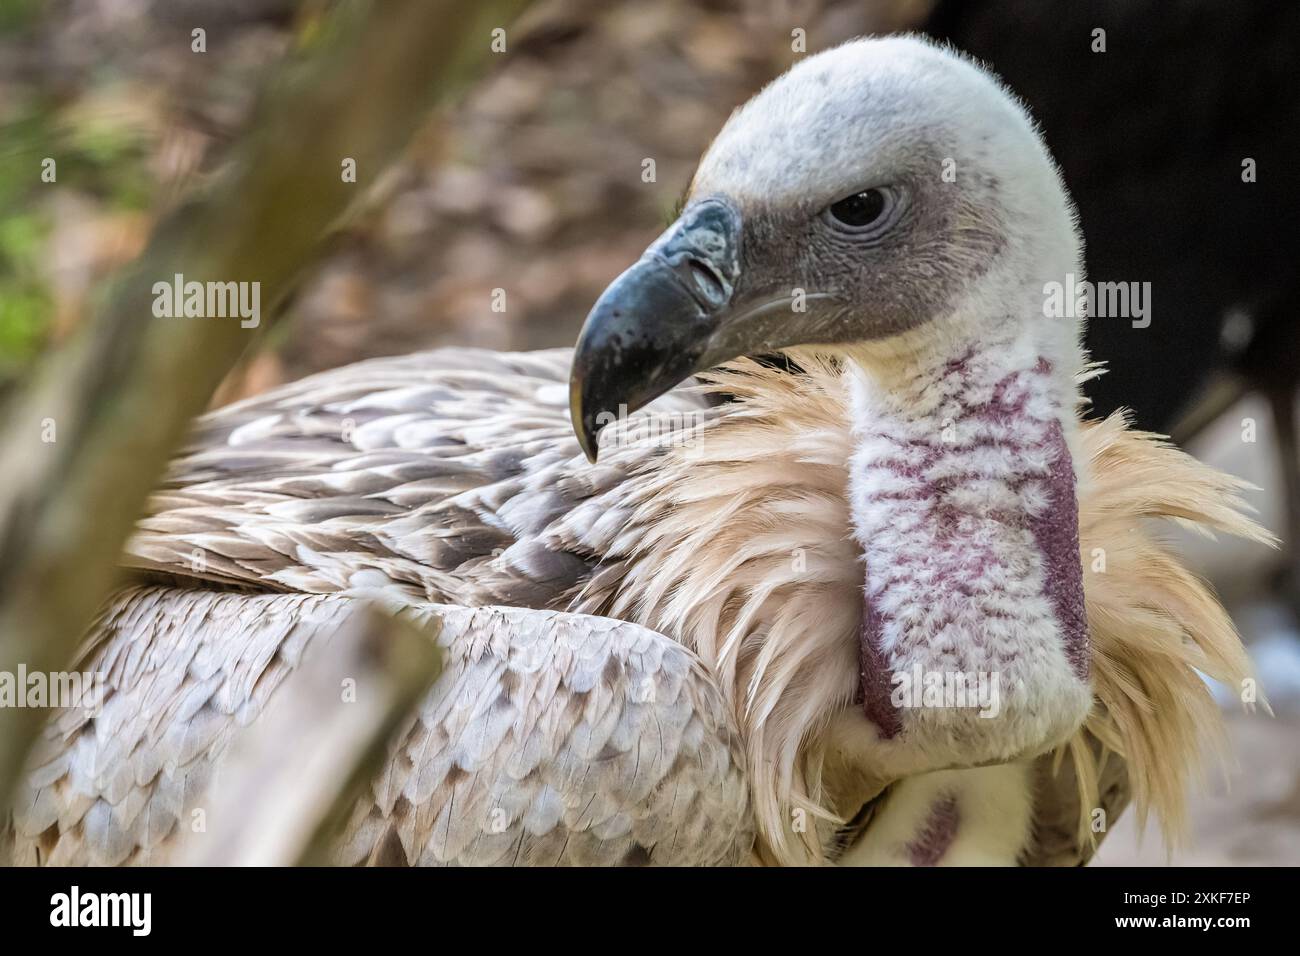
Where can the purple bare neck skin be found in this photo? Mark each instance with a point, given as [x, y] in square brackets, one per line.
[937, 834]
[1055, 529]
[1057, 532]
[875, 676]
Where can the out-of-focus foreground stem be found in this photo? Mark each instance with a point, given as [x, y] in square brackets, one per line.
[119, 396]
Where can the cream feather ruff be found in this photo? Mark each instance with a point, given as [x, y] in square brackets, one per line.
[741, 548]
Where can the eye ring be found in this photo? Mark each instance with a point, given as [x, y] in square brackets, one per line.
[867, 213]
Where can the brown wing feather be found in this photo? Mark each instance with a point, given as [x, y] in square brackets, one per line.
[444, 474]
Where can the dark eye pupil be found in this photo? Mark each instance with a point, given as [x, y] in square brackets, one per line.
[861, 209]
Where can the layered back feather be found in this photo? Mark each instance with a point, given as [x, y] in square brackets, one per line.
[740, 545]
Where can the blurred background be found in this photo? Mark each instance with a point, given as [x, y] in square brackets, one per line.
[1177, 128]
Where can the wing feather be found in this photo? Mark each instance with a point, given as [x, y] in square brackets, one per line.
[550, 738]
[446, 472]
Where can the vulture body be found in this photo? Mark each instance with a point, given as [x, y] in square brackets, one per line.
[688, 650]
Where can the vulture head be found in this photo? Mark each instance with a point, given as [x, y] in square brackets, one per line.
[877, 196]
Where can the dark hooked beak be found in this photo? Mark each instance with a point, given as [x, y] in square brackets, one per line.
[658, 323]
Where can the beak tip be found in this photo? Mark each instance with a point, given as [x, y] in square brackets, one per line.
[587, 442]
[586, 432]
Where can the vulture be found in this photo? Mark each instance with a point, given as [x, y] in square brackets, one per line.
[894, 600]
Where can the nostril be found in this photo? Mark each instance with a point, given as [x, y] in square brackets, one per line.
[708, 282]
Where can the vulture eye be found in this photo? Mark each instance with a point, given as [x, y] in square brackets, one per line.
[865, 213]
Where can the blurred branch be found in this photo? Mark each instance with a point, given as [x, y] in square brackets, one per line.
[293, 777]
[116, 401]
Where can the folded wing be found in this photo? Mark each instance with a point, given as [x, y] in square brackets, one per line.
[550, 738]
